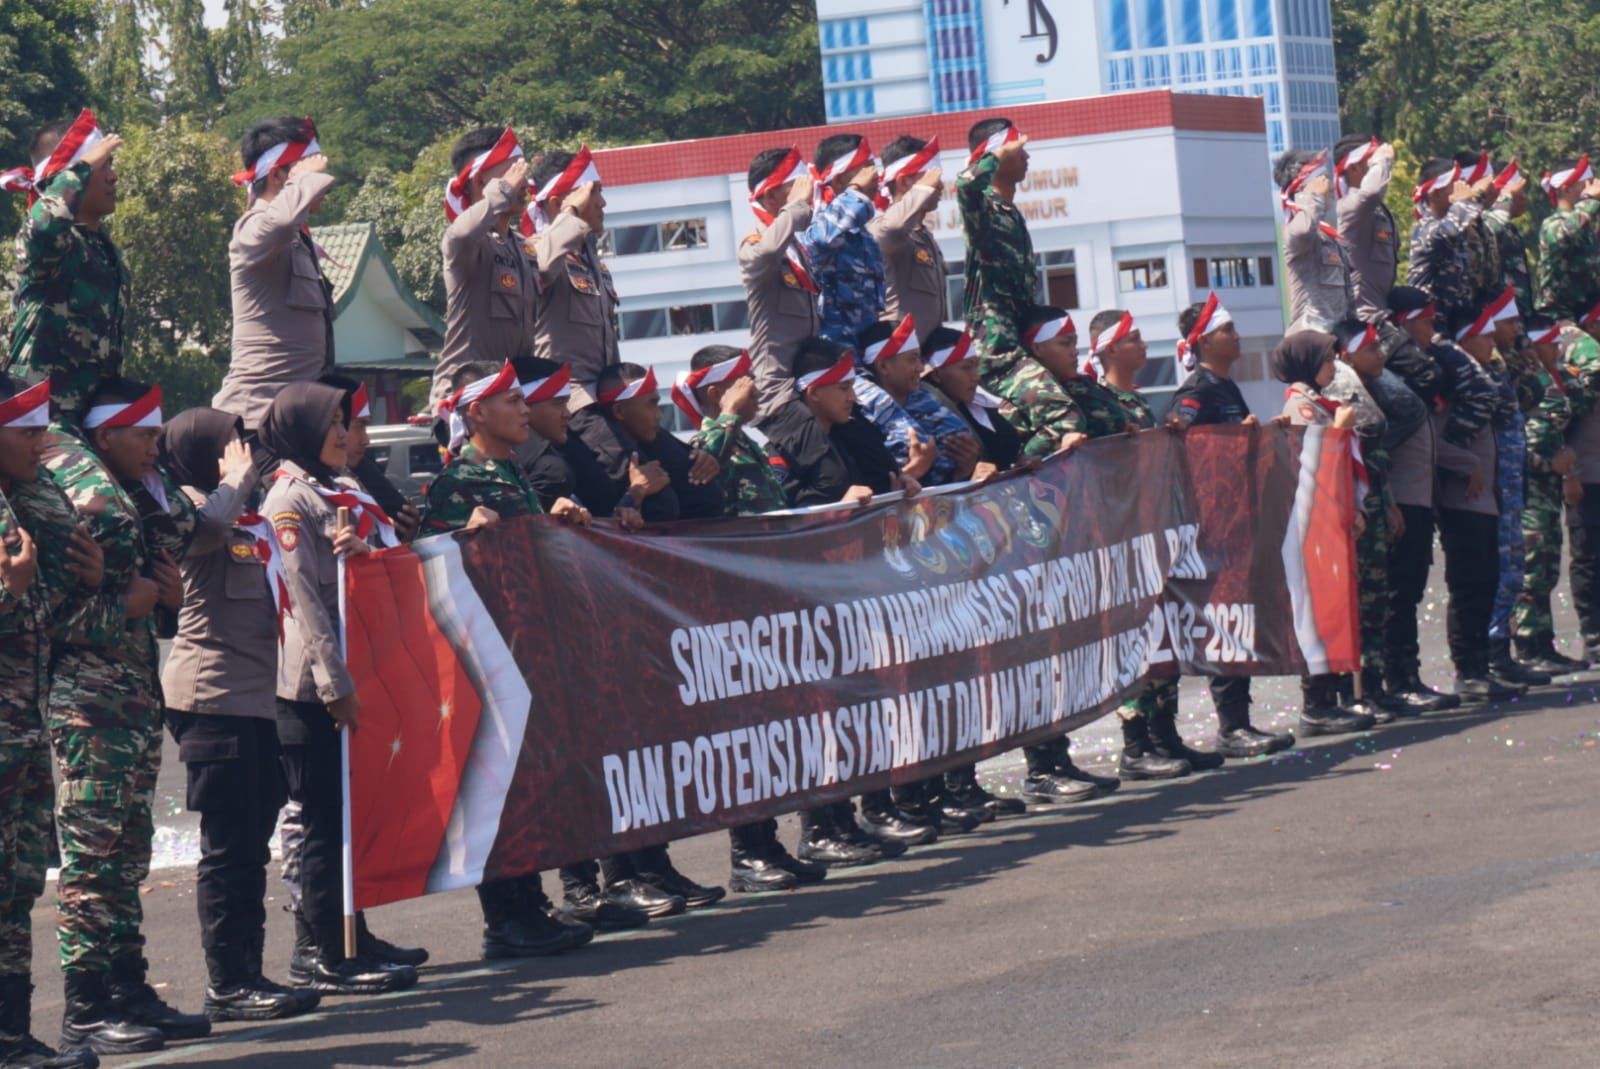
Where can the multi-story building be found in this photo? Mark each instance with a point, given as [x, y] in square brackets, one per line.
[1141, 201]
[910, 57]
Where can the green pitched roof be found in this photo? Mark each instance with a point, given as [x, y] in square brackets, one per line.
[352, 248]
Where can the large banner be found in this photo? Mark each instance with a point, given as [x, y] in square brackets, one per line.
[532, 694]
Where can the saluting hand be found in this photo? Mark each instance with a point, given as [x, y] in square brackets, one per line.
[235, 459]
[18, 564]
[102, 150]
[309, 165]
[517, 174]
[800, 189]
[85, 559]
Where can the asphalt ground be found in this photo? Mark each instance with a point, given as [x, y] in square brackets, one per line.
[1423, 895]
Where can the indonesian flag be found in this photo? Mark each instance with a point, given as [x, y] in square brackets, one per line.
[81, 136]
[686, 382]
[1213, 317]
[1319, 554]
[283, 154]
[504, 150]
[28, 408]
[260, 529]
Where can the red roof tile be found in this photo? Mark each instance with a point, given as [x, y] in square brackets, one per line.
[1060, 118]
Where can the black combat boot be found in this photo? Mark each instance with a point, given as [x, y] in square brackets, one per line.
[232, 994]
[1163, 728]
[94, 1019]
[142, 1005]
[1410, 689]
[1507, 669]
[1367, 704]
[1321, 714]
[1237, 737]
[755, 871]
[961, 786]
[514, 928]
[656, 868]
[308, 1000]
[1541, 655]
[19, 1048]
[1139, 759]
[1045, 785]
[371, 947]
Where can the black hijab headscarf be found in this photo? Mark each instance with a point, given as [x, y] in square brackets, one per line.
[192, 443]
[1299, 357]
[297, 424]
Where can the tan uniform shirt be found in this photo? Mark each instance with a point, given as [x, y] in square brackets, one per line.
[914, 275]
[783, 312]
[224, 659]
[577, 322]
[1456, 466]
[1318, 271]
[281, 309]
[1370, 233]
[311, 666]
[491, 289]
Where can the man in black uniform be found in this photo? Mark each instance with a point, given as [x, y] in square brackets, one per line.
[1209, 395]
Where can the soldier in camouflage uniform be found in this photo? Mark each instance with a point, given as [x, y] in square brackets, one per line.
[1581, 488]
[1483, 251]
[1568, 272]
[30, 601]
[104, 717]
[1550, 460]
[1441, 258]
[1149, 721]
[719, 393]
[929, 442]
[1511, 203]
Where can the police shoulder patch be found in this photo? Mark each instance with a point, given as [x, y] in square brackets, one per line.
[1308, 413]
[288, 537]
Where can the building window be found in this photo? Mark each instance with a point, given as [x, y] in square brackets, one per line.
[1191, 67]
[1231, 272]
[1120, 27]
[1275, 135]
[843, 33]
[1154, 24]
[1263, 61]
[1119, 74]
[1191, 23]
[1133, 275]
[1264, 269]
[1260, 18]
[684, 319]
[1058, 278]
[653, 237]
[1226, 63]
[1157, 70]
[1224, 20]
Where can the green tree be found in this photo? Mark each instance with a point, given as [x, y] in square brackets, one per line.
[42, 79]
[175, 214]
[407, 209]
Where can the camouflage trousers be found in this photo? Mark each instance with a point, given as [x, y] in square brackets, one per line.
[1157, 696]
[1034, 402]
[1512, 554]
[25, 842]
[1372, 586]
[107, 760]
[1541, 558]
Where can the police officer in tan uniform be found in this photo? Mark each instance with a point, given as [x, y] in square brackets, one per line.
[1363, 167]
[782, 298]
[491, 280]
[577, 321]
[282, 303]
[914, 271]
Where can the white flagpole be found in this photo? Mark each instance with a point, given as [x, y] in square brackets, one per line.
[347, 853]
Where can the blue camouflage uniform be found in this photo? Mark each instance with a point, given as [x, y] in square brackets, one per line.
[847, 267]
[920, 413]
[1441, 260]
[1511, 465]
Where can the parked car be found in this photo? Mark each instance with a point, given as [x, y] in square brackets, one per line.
[408, 454]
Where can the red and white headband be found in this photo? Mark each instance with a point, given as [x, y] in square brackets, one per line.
[902, 339]
[360, 403]
[629, 390]
[1427, 311]
[1550, 336]
[784, 172]
[554, 385]
[954, 353]
[1508, 174]
[1480, 170]
[1358, 155]
[30, 408]
[1502, 307]
[995, 142]
[1312, 167]
[1049, 330]
[455, 192]
[81, 136]
[144, 412]
[914, 164]
[849, 163]
[1357, 342]
[580, 172]
[283, 154]
[686, 382]
[1591, 317]
[456, 404]
[1424, 190]
[1561, 181]
[1213, 317]
[1111, 335]
[843, 370]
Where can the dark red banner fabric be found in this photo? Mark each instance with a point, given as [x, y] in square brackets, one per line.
[533, 694]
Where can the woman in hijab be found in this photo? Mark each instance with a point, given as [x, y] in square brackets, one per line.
[307, 429]
[1305, 360]
[220, 684]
